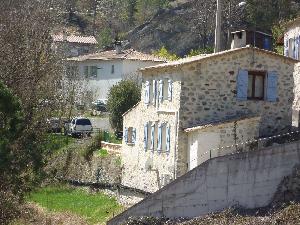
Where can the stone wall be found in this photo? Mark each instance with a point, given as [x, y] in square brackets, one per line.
[247, 180]
[210, 141]
[111, 147]
[146, 169]
[296, 104]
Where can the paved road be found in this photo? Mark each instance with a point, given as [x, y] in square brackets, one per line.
[100, 123]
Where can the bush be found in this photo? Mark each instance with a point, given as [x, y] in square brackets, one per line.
[122, 97]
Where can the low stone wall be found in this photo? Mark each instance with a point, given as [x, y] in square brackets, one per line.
[247, 180]
[116, 148]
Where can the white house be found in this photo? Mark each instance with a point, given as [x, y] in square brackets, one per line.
[292, 39]
[104, 69]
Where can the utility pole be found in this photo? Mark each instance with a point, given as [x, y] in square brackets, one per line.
[218, 26]
[94, 19]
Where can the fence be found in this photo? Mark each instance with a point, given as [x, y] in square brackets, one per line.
[250, 145]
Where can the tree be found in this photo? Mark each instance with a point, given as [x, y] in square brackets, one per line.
[122, 97]
[165, 54]
[33, 75]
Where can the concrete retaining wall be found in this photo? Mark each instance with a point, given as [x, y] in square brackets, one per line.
[248, 180]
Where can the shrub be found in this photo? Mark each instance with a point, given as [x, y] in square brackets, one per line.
[122, 97]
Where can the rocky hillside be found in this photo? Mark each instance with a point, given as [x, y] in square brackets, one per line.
[173, 28]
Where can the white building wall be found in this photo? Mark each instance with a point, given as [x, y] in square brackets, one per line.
[106, 78]
[289, 37]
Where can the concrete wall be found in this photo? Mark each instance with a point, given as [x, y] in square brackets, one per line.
[248, 180]
[208, 138]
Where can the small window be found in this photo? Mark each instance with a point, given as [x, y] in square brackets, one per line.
[131, 135]
[86, 71]
[112, 69]
[256, 84]
[93, 71]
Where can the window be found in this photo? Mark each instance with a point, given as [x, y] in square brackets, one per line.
[256, 81]
[239, 34]
[130, 135]
[93, 71]
[257, 85]
[112, 69]
[90, 71]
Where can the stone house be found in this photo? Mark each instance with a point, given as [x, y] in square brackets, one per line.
[104, 69]
[73, 45]
[196, 104]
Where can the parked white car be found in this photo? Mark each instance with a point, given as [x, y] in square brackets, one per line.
[78, 127]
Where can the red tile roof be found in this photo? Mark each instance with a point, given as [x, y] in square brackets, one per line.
[75, 39]
[130, 54]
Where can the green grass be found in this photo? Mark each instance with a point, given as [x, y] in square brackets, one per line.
[54, 142]
[103, 153]
[95, 208]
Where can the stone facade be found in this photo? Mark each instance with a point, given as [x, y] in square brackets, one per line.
[204, 89]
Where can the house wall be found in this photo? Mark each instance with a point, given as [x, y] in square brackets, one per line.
[296, 104]
[290, 34]
[146, 169]
[105, 79]
[201, 143]
[246, 180]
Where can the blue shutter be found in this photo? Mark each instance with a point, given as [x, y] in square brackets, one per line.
[152, 136]
[168, 138]
[159, 141]
[297, 47]
[147, 92]
[134, 135]
[161, 90]
[294, 48]
[272, 86]
[126, 135]
[154, 92]
[286, 47]
[170, 90]
[146, 136]
[242, 85]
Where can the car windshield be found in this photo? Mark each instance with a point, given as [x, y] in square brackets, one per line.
[83, 122]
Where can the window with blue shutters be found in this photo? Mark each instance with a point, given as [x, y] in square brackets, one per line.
[159, 138]
[152, 137]
[154, 92]
[256, 85]
[286, 47]
[161, 90]
[242, 85]
[168, 138]
[272, 86]
[126, 135]
[146, 136]
[297, 47]
[170, 90]
[133, 136]
[147, 92]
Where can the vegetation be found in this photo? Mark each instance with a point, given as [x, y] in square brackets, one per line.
[103, 153]
[165, 54]
[96, 208]
[195, 52]
[122, 97]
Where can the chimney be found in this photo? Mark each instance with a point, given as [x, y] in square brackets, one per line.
[118, 46]
[64, 35]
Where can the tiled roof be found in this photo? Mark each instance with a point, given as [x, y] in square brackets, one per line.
[193, 59]
[75, 39]
[221, 122]
[130, 54]
[296, 21]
